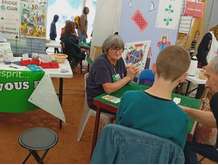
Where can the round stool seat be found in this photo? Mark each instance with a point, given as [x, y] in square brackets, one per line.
[38, 139]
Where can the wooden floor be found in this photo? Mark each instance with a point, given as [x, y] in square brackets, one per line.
[68, 150]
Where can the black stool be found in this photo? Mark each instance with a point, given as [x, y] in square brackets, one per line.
[38, 139]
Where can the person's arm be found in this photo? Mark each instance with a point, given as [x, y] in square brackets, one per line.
[112, 87]
[205, 117]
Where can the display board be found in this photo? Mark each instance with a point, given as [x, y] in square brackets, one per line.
[9, 18]
[141, 21]
[26, 18]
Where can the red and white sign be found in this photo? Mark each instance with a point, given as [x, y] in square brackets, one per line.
[195, 9]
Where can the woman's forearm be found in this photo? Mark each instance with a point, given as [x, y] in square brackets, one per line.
[112, 87]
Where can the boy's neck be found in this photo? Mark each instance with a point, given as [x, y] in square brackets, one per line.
[161, 88]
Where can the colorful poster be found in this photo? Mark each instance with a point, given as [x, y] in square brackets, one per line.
[168, 15]
[33, 18]
[136, 53]
[9, 18]
[195, 9]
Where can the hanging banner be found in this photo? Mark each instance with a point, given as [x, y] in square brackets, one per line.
[15, 89]
[33, 18]
[195, 9]
[169, 12]
[9, 18]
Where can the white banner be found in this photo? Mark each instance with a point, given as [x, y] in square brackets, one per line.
[9, 18]
[169, 12]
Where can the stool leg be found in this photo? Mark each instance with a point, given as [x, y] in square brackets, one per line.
[187, 89]
[26, 158]
[45, 153]
[36, 156]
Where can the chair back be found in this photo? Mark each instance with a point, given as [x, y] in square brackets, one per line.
[86, 107]
[146, 77]
[123, 145]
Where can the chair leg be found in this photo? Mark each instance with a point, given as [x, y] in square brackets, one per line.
[81, 66]
[83, 123]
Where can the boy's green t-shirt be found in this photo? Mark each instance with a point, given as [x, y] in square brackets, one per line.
[154, 115]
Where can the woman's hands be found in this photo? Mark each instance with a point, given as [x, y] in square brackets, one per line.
[132, 71]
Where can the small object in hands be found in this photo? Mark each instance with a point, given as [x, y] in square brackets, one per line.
[177, 100]
[112, 99]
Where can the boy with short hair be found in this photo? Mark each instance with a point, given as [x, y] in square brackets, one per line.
[152, 110]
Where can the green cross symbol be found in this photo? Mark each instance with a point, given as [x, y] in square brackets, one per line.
[169, 9]
[168, 20]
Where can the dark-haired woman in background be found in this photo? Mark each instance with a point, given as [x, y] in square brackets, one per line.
[70, 44]
[203, 50]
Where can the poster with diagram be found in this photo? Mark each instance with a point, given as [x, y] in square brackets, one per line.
[136, 53]
[33, 18]
[168, 15]
[9, 18]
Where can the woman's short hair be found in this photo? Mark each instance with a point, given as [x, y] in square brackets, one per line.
[112, 42]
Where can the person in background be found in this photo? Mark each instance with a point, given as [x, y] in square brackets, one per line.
[70, 44]
[63, 28]
[108, 72]
[153, 110]
[53, 31]
[207, 118]
[207, 50]
[203, 50]
[194, 43]
[83, 25]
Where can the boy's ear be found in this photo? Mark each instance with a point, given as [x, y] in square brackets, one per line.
[154, 68]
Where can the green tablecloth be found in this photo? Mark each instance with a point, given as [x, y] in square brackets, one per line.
[15, 89]
[185, 100]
